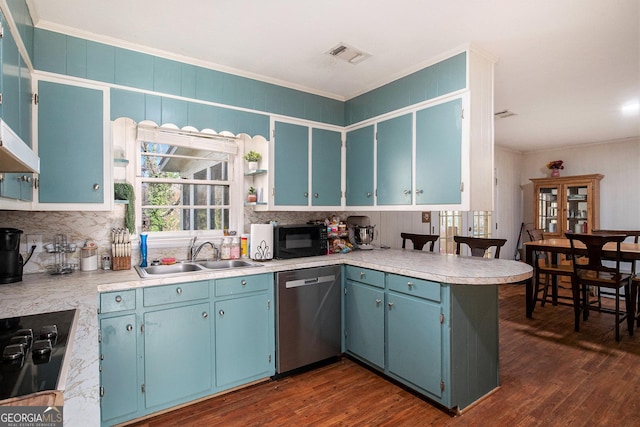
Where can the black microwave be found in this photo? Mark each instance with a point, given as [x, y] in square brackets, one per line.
[299, 240]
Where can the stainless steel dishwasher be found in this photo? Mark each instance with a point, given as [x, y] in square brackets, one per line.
[308, 317]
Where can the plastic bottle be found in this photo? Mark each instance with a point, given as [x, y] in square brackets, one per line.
[244, 246]
[143, 250]
[225, 249]
[235, 248]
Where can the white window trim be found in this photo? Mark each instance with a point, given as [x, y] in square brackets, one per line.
[170, 134]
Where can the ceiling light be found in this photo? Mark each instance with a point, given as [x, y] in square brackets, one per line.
[504, 114]
[631, 108]
[347, 53]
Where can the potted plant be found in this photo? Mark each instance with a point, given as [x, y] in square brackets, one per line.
[253, 157]
[252, 197]
[555, 167]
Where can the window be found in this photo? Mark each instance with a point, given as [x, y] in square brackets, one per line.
[186, 182]
[453, 223]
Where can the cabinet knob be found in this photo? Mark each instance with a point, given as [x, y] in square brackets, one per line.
[306, 194]
[243, 283]
[368, 194]
[410, 285]
[205, 314]
[406, 192]
[390, 305]
[179, 291]
[118, 298]
[316, 195]
[96, 187]
[221, 312]
[129, 327]
[419, 191]
[378, 301]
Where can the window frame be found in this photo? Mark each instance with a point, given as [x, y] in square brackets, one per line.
[225, 142]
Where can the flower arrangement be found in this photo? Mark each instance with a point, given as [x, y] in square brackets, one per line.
[556, 164]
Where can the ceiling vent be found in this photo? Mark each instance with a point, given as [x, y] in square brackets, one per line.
[347, 53]
[504, 114]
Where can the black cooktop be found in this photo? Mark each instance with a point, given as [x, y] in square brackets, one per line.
[32, 349]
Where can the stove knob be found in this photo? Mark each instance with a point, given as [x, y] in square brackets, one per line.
[41, 352]
[49, 332]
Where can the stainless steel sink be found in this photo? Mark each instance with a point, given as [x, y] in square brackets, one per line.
[191, 267]
[159, 270]
[227, 263]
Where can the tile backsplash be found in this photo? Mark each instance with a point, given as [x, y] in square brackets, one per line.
[95, 226]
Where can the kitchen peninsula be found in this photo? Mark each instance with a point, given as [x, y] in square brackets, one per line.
[40, 293]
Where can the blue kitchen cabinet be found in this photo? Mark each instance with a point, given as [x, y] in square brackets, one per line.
[439, 154]
[70, 144]
[415, 340]
[244, 330]
[326, 168]
[394, 155]
[118, 368]
[364, 323]
[118, 344]
[10, 105]
[364, 315]
[177, 355]
[291, 159]
[177, 343]
[359, 179]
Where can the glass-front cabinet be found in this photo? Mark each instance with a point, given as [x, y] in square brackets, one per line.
[569, 203]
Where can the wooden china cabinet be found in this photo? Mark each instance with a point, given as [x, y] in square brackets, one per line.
[569, 203]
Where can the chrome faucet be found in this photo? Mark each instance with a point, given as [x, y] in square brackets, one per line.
[194, 253]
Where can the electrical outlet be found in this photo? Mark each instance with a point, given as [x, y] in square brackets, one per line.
[34, 239]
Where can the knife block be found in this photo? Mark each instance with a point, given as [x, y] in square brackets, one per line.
[121, 263]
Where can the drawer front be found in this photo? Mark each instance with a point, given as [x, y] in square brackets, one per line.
[242, 284]
[179, 292]
[111, 302]
[365, 275]
[415, 287]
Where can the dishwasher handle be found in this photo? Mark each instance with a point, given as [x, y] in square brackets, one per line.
[309, 282]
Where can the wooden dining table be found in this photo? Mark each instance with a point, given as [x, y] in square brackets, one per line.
[629, 252]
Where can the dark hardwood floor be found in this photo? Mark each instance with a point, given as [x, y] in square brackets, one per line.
[549, 375]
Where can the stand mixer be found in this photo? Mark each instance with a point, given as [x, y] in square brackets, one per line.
[361, 233]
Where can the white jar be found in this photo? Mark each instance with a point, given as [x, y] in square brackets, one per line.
[225, 249]
[89, 258]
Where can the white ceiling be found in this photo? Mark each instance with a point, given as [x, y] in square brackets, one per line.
[565, 67]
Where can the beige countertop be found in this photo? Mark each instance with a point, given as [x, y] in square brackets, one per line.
[39, 293]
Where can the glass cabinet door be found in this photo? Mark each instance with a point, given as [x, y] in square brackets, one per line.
[548, 209]
[577, 208]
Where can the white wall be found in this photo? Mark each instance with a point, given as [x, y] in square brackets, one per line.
[618, 161]
[508, 201]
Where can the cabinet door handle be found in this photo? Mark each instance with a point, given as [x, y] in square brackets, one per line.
[118, 299]
[405, 192]
[179, 291]
[96, 187]
[362, 274]
[378, 301]
[419, 191]
[368, 194]
[315, 195]
[306, 194]
[205, 314]
[221, 312]
[390, 305]
[410, 285]
[243, 283]
[129, 327]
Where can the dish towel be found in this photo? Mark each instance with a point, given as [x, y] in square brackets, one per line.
[124, 191]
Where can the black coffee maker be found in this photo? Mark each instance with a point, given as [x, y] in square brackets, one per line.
[11, 261]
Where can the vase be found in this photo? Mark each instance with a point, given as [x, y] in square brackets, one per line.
[253, 166]
[252, 198]
[555, 173]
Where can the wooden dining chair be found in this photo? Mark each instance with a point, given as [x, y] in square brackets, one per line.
[593, 273]
[479, 245]
[419, 240]
[546, 266]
